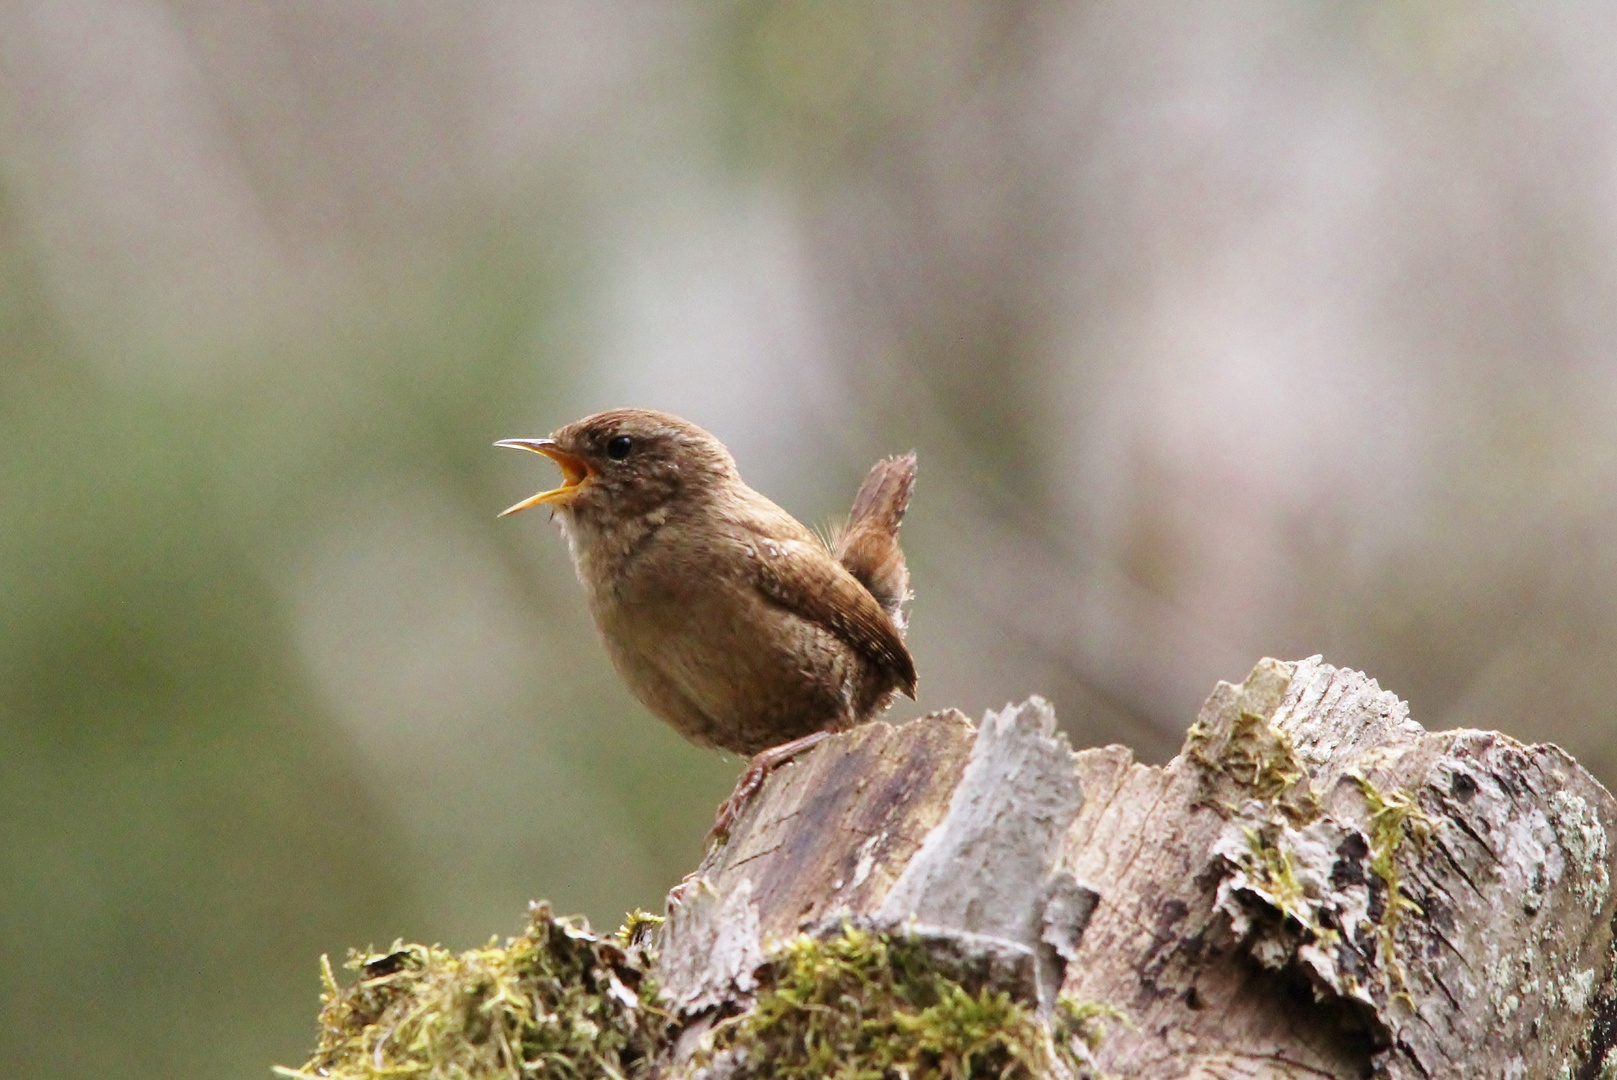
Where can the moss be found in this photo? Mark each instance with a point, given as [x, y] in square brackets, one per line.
[1272, 870]
[558, 1001]
[637, 929]
[1260, 761]
[562, 1002]
[870, 1005]
[1085, 1021]
[1394, 817]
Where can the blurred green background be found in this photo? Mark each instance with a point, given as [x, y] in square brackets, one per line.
[1222, 331]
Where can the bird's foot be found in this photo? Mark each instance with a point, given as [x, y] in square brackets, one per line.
[758, 770]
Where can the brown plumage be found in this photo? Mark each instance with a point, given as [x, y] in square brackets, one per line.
[724, 615]
[868, 545]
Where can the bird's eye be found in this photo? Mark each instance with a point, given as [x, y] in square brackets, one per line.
[618, 447]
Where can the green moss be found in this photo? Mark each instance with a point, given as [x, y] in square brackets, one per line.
[1394, 817]
[1261, 763]
[637, 928]
[865, 1005]
[1271, 870]
[562, 1002]
[558, 1001]
[1085, 1021]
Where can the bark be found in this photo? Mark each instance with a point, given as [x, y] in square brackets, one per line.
[1315, 887]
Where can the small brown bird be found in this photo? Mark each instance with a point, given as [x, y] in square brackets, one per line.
[727, 617]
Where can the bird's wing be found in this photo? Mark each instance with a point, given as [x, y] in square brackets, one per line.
[800, 577]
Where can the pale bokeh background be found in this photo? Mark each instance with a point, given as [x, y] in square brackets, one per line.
[1221, 330]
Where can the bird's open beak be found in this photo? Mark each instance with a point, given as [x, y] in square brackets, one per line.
[574, 470]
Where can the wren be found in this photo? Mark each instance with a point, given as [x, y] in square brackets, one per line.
[727, 618]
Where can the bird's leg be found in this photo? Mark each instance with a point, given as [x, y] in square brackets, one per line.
[763, 763]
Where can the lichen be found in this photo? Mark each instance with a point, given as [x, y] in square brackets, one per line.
[1576, 990]
[1583, 838]
[864, 1004]
[557, 1001]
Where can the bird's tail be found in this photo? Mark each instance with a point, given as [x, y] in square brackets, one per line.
[868, 546]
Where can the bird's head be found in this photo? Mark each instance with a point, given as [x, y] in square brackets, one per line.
[625, 463]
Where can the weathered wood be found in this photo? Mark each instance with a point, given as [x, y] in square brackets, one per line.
[1315, 887]
[833, 829]
[990, 867]
[936, 826]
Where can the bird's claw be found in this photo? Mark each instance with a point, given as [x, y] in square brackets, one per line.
[730, 809]
[758, 771]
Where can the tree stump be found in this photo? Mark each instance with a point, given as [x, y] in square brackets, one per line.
[1315, 887]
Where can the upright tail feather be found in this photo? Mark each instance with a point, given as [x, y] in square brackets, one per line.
[868, 546]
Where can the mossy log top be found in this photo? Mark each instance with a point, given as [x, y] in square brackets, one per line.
[1315, 887]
